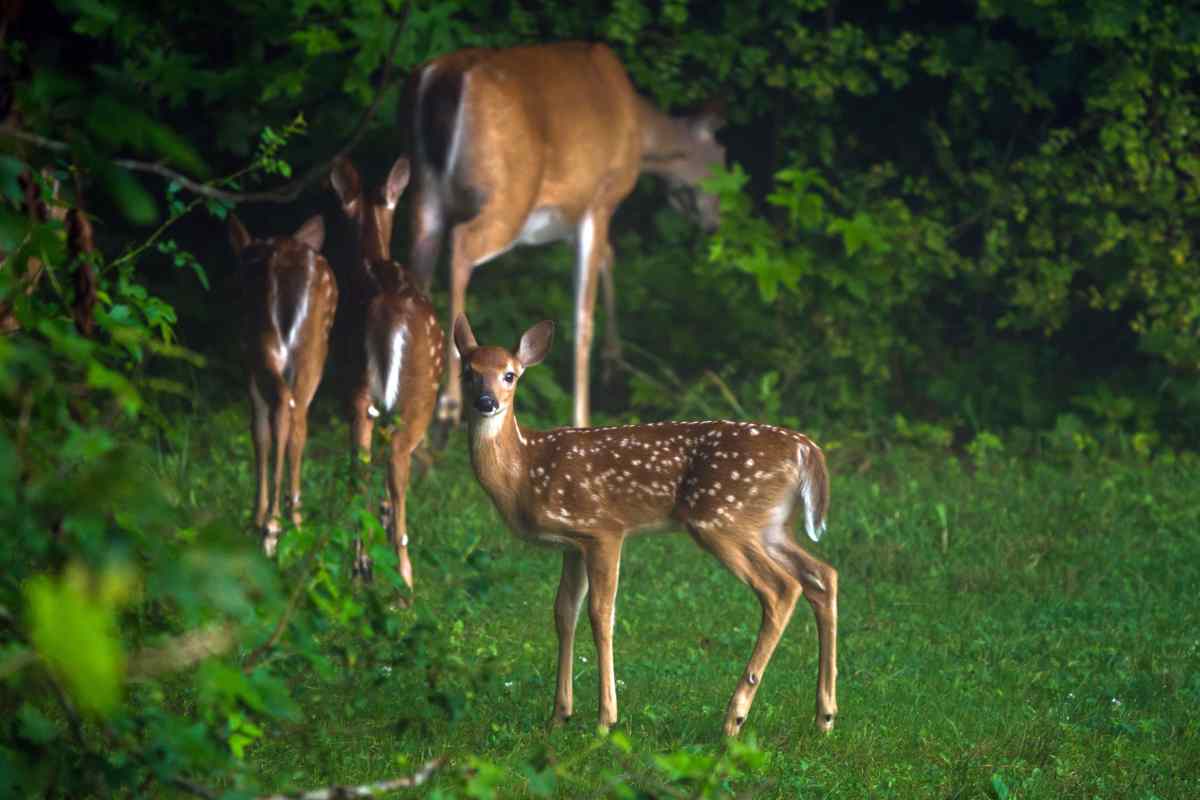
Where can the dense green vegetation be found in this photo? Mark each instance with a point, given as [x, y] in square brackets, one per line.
[957, 247]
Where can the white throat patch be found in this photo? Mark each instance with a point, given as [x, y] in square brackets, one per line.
[489, 427]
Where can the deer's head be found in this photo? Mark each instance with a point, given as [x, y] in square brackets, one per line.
[372, 213]
[490, 374]
[277, 251]
[691, 163]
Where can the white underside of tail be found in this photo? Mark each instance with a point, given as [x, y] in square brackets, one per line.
[297, 323]
[814, 530]
[385, 370]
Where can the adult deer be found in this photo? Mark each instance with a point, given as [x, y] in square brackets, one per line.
[735, 486]
[402, 358]
[290, 296]
[536, 144]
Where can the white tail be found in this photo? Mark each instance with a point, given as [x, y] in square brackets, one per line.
[735, 486]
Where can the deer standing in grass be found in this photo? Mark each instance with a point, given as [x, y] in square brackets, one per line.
[531, 145]
[402, 359]
[735, 486]
[290, 296]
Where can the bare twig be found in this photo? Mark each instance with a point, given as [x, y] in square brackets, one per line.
[367, 789]
[726, 392]
[281, 194]
[194, 788]
[330, 792]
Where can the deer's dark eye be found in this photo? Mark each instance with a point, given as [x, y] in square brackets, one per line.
[509, 377]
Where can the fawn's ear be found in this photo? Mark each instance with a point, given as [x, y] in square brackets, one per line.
[346, 183]
[397, 179]
[464, 338]
[535, 344]
[312, 233]
[239, 237]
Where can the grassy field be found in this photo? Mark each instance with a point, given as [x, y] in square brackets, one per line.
[1013, 628]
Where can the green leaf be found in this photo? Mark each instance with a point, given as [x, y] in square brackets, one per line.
[72, 626]
[131, 197]
[35, 726]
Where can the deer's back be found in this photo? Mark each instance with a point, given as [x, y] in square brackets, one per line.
[405, 347]
[289, 295]
[543, 124]
[706, 475]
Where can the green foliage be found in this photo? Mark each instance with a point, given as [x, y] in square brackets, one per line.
[73, 631]
[957, 245]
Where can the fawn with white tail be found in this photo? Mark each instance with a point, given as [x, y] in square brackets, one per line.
[735, 486]
[401, 365]
[290, 296]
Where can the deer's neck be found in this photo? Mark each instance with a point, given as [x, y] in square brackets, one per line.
[665, 139]
[499, 457]
[375, 233]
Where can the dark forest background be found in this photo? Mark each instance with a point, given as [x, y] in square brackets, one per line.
[978, 216]
[970, 227]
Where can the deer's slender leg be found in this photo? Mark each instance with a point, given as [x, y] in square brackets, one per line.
[612, 339]
[777, 593]
[281, 421]
[297, 439]
[260, 429]
[450, 403]
[603, 561]
[593, 248]
[820, 583]
[567, 605]
[474, 242]
[428, 227]
[361, 430]
[399, 469]
[308, 378]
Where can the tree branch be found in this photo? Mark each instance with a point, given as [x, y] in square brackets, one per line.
[281, 194]
[367, 789]
[330, 792]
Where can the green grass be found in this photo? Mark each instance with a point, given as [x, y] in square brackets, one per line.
[1017, 629]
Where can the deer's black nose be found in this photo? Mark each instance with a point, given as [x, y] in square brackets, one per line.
[486, 403]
